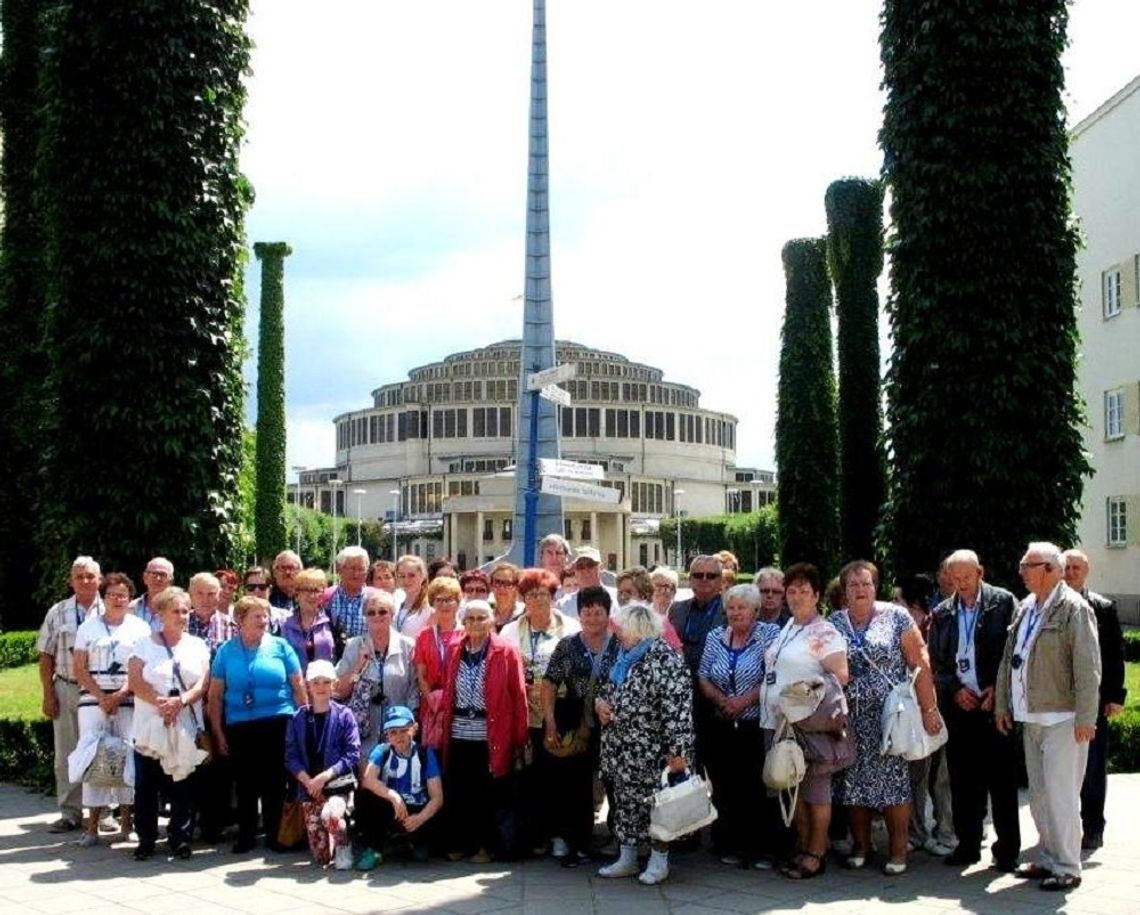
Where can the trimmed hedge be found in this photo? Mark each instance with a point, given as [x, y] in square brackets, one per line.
[1124, 742]
[26, 753]
[1132, 644]
[17, 649]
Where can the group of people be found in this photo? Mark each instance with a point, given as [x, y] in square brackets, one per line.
[490, 714]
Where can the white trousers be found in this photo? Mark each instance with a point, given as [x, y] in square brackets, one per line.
[1055, 763]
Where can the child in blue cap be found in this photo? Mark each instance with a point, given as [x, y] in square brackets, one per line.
[401, 792]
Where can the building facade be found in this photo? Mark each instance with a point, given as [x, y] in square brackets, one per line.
[1106, 185]
[436, 453]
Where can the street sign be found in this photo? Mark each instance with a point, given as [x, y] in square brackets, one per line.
[556, 394]
[552, 375]
[576, 489]
[572, 470]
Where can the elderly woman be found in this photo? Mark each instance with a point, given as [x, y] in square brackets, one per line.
[255, 688]
[309, 630]
[535, 634]
[505, 594]
[382, 575]
[484, 734]
[321, 745]
[646, 710]
[100, 657]
[664, 581]
[413, 613]
[168, 672]
[431, 651]
[377, 670]
[638, 585]
[729, 676]
[476, 584]
[808, 646]
[578, 667]
[883, 643]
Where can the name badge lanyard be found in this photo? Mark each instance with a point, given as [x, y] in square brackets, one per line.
[402, 617]
[250, 660]
[597, 658]
[112, 646]
[1019, 656]
[785, 641]
[469, 671]
[970, 626]
[176, 668]
[439, 644]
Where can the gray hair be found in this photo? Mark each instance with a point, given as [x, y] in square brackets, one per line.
[965, 557]
[285, 555]
[767, 572]
[352, 552]
[639, 620]
[203, 578]
[1075, 553]
[706, 559]
[375, 596]
[1049, 552]
[555, 540]
[86, 562]
[750, 594]
[665, 573]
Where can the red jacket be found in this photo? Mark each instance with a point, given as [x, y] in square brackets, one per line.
[504, 691]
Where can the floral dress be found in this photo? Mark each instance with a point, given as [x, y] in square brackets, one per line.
[652, 721]
[873, 780]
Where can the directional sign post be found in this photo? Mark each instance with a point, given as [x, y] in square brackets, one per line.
[536, 381]
[572, 470]
[577, 489]
[556, 394]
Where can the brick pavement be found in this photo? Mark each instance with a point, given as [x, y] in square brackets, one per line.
[41, 872]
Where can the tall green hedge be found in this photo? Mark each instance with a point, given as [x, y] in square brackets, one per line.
[806, 437]
[752, 536]
[145, 207]
[269, 523]
[985, 423]
[854, 209]
[22, 281]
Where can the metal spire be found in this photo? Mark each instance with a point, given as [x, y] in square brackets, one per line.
[537, 425]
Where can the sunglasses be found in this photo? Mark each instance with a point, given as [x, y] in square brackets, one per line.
[704, 576]
[251, 586]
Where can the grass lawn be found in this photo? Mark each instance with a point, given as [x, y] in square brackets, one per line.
[20, 695]
[1132, 684]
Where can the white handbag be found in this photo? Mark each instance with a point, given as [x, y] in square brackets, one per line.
[903, 733]
[108, 767]
[680, 809]
[784, 769]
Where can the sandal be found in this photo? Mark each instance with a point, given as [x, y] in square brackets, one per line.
[894, 868]
[1032, 872]
[797, 871]
[1061, 882]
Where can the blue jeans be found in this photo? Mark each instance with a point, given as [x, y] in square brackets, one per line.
[150, 780]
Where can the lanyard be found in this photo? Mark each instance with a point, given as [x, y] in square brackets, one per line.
[1033, 616]
[859, 636]
[734, 656]
[177, 668]
[402, 617]
[787, 639]
[250, 660]
[597, 658]
[535, 638]
[969, 625]
[439, 643]
[469, 669]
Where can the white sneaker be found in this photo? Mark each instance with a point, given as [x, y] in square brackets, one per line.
[656, 870]
[559, 848]
[937, 847]
[624, 866]
[343, 859]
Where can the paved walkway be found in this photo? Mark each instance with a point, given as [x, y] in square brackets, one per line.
[41, 873]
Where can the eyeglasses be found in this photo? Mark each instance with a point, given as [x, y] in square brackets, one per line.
[771, 590]
[377, 612]
[446, 599]
[664, 586]
[475, 591]
[256, 586]
[1031, 565]
[536, 595]
[704, 576]
[299, 590]
[158, 573]
[470, 618]
[503, 582]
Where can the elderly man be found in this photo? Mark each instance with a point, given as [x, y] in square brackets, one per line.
[587, 574]
[208, 620]
[285, 569]
[57, 680]
[769, 582]
[967, 639]
[693, 619]
[345, 605]
[157, 576]
[1112, 694]
[1049, 681]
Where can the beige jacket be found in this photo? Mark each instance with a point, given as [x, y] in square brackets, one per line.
[1063, 672]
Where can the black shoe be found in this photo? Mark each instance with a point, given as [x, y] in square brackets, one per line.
[1004, 865]
[143, 853]
[961, 857]
[241, 846]
[182, 852]
[1091, 841]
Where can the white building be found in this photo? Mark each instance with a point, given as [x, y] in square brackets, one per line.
[438, 450]
[1106, 182]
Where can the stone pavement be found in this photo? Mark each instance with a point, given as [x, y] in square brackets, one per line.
[40, 872]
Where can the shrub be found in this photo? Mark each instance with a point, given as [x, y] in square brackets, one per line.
[26, 753]
[1124, 742]
[1132, 644]
[17, 649]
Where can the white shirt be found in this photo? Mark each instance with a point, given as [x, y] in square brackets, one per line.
[1026, 638]
[967, 620]
[193, 657]
[796, 654]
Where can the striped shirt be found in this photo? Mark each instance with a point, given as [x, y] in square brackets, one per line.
[736, 671]
[470, 697]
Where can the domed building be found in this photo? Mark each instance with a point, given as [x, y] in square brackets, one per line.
[435, 453]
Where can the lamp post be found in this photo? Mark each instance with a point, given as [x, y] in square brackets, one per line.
[298, 469]
[334, 482]
[395, 494]
[677, 511]
[359, 517]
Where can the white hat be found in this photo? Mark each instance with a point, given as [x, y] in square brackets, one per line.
[320, 670]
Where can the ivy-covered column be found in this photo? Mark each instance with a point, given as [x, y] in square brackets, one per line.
[855, 257]
[269, 515]
[985, 422]
[806, 438]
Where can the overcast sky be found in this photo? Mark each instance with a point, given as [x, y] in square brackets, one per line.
[689, 140]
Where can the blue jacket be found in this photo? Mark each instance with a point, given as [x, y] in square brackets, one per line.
[341, 750]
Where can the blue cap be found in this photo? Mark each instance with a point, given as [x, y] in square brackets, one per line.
[398, 716]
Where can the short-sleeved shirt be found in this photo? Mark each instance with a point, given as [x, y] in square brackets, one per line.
[797, 653]
[536, 646]
[109, 648]
[737, 671]
[141, 608]
[404, 774]
[193, 658]
[257, 679]
[58, 631]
